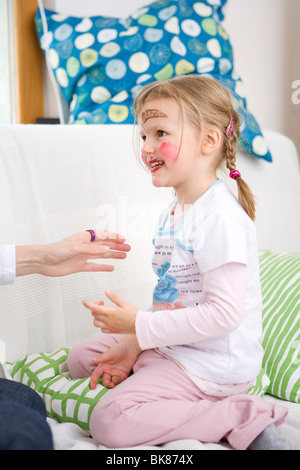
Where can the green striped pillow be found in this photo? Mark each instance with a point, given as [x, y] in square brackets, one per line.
[66, 399]
[280, 281]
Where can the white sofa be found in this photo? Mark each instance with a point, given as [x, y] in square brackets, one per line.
[57, 179]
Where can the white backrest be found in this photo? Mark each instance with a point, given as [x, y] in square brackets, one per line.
[57, 180]
[276, 187]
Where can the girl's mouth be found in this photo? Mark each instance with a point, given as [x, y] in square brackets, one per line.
[155, 165]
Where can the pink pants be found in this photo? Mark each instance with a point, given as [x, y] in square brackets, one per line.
[160, 403]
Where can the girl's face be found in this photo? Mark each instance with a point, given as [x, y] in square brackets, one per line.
[170, 149]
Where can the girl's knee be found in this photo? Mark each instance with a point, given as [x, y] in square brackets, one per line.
[80, 357]
[104, 423]
[109, 425]
[78, 364]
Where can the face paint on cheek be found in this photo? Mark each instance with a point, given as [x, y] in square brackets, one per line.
[168, 150]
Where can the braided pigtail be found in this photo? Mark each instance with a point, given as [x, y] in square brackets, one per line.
[231, 137]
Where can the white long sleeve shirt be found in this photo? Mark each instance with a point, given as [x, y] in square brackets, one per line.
[7, 264]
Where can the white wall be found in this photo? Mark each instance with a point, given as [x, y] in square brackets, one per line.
[265, 35]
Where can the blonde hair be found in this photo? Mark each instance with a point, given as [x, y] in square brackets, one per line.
[204, 102]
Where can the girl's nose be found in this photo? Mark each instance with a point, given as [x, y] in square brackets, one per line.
[148, 147]
[147, 150]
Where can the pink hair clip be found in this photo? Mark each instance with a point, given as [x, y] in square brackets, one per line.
[230, 127]
[234, 174]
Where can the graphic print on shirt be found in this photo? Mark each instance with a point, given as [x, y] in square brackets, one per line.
[180, 281]
[165, 292]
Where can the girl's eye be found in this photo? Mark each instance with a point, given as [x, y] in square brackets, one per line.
[161, 133]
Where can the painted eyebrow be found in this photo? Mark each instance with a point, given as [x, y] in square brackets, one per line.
[152, 113]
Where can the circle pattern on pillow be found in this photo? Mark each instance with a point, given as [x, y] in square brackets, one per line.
[161, 40]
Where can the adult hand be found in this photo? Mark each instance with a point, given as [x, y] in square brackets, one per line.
[71, 255]
[116, 363]
[119, 319]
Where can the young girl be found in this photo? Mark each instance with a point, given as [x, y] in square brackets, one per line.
[195, 354]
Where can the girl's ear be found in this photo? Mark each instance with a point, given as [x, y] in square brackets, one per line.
[211, 141]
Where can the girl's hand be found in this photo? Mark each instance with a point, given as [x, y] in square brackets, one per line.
[119, 319]
[116, 363]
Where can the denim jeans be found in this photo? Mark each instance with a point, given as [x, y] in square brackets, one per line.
[23, 424]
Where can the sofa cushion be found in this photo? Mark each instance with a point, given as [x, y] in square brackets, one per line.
[66, 399]
[280, 280]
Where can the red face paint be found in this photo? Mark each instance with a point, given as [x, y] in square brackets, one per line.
[168, 150]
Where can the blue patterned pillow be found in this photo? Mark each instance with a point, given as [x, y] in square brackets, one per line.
[100, 63]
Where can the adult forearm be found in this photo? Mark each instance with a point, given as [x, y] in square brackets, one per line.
[77, 253]
[28, 259]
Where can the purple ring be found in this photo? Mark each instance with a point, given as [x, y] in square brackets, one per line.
[93, 235]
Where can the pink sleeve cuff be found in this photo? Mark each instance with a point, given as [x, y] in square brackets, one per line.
[142, 329]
